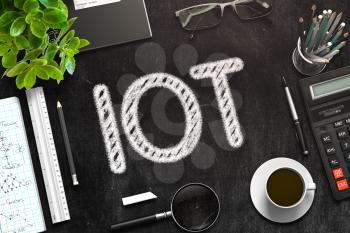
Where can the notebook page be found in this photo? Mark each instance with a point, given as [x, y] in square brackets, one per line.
[82, 4]
[20, 207]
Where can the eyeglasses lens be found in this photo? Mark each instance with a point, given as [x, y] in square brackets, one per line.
[200, 17]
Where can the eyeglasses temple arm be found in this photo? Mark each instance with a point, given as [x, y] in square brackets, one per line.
[240, 1]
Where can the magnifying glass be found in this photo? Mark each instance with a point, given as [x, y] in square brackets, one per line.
[195, 207]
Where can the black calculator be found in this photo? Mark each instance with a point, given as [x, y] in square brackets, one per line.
[327, 101]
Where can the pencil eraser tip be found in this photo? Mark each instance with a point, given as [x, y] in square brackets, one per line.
[75, 180]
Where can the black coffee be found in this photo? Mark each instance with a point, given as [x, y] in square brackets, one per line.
[285, 187]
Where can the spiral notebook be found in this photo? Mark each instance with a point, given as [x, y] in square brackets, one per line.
[20, 207]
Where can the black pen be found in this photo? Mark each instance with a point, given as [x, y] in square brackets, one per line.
[67, 144]
[295, 117]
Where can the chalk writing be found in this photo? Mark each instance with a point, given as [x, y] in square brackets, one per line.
[218, 71]
[109, 129]
[131, 124]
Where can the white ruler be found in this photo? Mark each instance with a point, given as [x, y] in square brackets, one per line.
[47, 155]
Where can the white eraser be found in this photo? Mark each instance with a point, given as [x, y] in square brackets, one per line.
[138, 198]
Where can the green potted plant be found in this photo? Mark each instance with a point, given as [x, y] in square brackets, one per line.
[27, 52]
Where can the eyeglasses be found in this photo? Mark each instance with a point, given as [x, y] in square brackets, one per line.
[209, 15]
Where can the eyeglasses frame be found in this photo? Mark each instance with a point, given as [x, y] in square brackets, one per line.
[222, 6]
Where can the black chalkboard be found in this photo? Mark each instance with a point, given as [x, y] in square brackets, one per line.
[265, 46]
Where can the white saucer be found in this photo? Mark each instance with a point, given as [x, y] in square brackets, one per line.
[264, 206]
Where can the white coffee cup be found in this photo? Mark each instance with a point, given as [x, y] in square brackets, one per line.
[307, 187]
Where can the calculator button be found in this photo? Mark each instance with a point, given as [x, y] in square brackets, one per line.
[342, 133]
[345, 145]
[338, 173]
[342, 185]
[338, 124]
[334, 162]
[347, 121]
[330, 150]
[326, 138]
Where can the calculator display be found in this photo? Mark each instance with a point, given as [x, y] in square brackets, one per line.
[329, 87]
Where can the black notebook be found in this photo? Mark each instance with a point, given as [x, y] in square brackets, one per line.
[109, 22]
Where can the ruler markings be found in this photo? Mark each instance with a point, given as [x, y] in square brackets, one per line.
[47, 155]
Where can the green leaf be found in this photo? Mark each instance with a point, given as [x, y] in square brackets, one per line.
[63, 63]
[18, 26]
[9, 60]
[65, 29]
[38, 28]
[29, 78]
[45, 42]
[34, 41]
[53, 63]
[5, 37]
[41, 72]
[31, 6]
[74, 43]
[14, 49]
[19, 4]
[22, 42]
[83, 43]
[60, 79]
[70, 65]
[20, 79]
[17, 69]
[34, 15]
[6, 4]
[62, 6]
[66, 38]
[7, 18]
[5, 29]
[53, 72]
[54, 16]
[71, 52]
[57, 25]
[38, 61]
[51, 51]
[3, 49]
[49, 3]
[32, 54]
[28, 18]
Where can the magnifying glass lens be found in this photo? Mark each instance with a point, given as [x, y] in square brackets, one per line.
[195, 207]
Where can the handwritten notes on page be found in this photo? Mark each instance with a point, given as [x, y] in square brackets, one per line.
[20, 207]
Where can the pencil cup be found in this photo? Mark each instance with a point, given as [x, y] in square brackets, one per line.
[304, 65]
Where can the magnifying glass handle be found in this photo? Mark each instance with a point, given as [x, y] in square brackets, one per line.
[140, 221]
